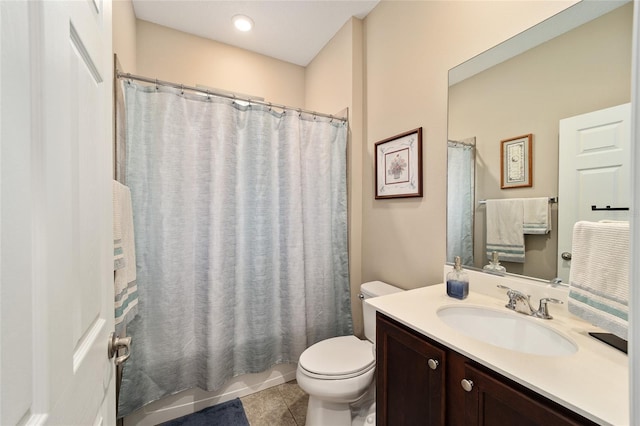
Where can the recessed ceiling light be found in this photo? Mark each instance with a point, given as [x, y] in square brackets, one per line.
[242, 22]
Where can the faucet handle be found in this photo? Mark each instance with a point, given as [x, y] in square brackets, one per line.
[511, 291]
[514, 296]
[543, 311]
[512, 301]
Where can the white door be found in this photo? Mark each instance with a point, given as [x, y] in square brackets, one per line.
[56, 252]
[594, 171]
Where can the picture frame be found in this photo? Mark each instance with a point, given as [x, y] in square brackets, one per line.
[516, 162]
[398, 166]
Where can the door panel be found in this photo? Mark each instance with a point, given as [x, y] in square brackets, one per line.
[595, 153]
[16, 281]
[409, 377]
[65, 162]
[494, 402]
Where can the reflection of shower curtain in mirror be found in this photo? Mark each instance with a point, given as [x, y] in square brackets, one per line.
[241, 239]
[460, 199]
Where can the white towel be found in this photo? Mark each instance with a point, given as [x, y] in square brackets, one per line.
[599, 277]
[118, 252]
[505, 233]
[537, 215]
[125, 288]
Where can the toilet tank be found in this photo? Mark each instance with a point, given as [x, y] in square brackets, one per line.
[369, 290]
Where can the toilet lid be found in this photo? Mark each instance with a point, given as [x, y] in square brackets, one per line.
[338, 356]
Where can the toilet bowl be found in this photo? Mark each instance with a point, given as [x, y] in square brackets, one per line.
[339, 371]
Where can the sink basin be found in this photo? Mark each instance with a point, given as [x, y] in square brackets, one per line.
[507, 330]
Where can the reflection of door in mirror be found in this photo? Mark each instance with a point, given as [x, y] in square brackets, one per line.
[461, 160]
[595, 152]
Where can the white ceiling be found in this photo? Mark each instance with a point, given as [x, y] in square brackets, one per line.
[290, 30]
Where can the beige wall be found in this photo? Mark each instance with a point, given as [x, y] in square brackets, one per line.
[124, 35]
[179, 57]
[410, 46]
[581, 71]
[333, 81]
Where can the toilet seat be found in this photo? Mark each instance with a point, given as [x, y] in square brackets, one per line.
[338, 358]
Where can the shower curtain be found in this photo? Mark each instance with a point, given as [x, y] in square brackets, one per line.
[240, 214]
[460, 200]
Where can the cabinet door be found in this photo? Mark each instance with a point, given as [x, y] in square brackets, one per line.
[492, 401]
[409, 377]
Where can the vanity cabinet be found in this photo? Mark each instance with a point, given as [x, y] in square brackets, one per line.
[409, 377]
[420, 382]
[494, 400]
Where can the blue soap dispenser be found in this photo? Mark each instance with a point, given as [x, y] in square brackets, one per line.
[458, 281]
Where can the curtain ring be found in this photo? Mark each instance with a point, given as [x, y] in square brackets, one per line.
[331, 116]
[156, 84]
[182, 89]
[299, 112]
[269, 106]
[208, 95]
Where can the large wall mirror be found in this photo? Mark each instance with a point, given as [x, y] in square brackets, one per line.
[575, 63]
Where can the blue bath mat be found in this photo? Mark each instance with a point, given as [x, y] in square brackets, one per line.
[230, 413]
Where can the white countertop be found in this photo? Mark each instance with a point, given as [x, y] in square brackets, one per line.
[592, 382]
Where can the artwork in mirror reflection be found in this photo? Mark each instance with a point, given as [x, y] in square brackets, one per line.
[583, 70]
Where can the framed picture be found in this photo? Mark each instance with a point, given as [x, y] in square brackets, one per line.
[516, 164]
[399, 165]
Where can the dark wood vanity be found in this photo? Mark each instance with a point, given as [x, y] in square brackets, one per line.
[420, 382]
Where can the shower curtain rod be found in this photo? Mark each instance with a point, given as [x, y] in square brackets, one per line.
[222, 95]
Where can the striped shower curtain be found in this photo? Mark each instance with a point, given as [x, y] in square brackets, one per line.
[240, 215]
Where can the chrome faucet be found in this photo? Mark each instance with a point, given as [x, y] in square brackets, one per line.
[520, 302]
[543, 311]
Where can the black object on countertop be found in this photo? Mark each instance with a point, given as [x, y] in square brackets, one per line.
[611, 340]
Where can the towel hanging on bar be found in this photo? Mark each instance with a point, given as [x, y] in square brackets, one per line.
[505, 233]
[537, 216]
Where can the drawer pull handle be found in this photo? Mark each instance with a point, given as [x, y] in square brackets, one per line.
[467, 384]
[433, 363]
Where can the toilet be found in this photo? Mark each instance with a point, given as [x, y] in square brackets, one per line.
[338, 371]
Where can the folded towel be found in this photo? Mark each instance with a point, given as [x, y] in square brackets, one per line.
[505, 229]
[537, 215]
[125, 288]
[599, 277]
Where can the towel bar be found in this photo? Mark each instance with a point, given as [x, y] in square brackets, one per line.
[594, 208]
[552, 200]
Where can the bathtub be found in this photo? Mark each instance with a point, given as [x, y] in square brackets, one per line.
[192, 400]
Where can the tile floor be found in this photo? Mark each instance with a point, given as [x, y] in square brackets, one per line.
[282, 405]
